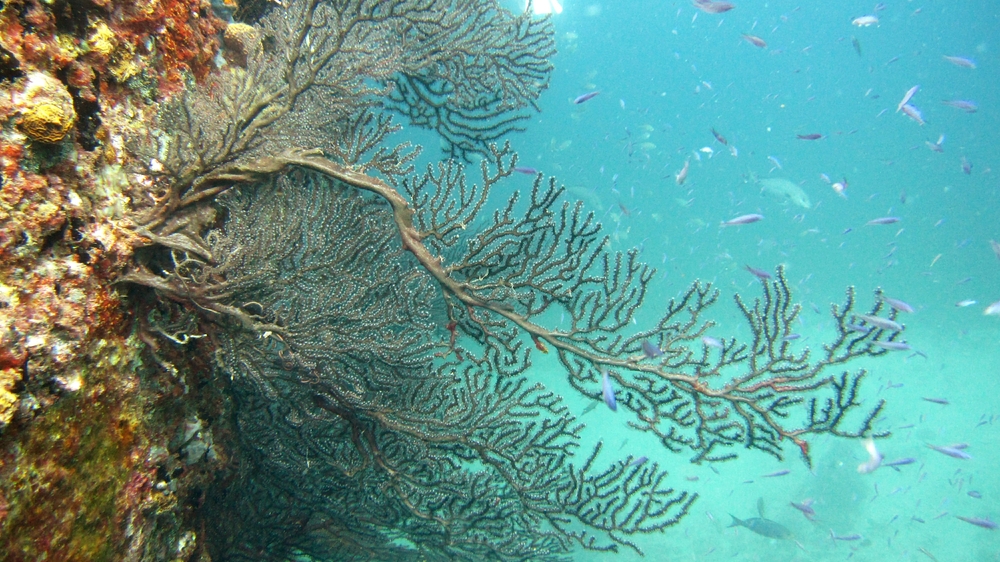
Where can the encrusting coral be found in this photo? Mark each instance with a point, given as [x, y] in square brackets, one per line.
[47, 113]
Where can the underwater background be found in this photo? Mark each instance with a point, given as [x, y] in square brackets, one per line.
[668, 74]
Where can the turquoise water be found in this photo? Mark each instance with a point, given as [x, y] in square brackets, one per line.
[667, 75]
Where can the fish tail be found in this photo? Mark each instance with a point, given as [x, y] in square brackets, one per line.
[736, 522]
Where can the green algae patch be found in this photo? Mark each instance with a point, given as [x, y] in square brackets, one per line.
[73, 483]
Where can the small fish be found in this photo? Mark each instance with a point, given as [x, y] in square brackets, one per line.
[777, 473]
[883, 220]
[683, 174]
[638, 461]
[719, 137]
[900, 462]
[857, 45]
[966, 166]
[835, 537]
[806, 508]
[965, 105]
[865, 21]
[961, 61]
[984, 523]
[540, 345]
[883, 323]
[912, 112]
[759, 273]
[810, 136]
[742, 219]
[585, 97]
[975, 494]
[526, 170]
[892, 345]
[763, 527]
[965, 303]
[712, 342]
[874, 458]
[608, 391]
[993, 309]
[707, 150]
[897, 304]
[942, 401]
[791, 337]
[776, 162]
[996, 248]
[754, 40]
[590, 408]
[712, 6]
[840, 188]
[952, 451]
[857, 328]
[937, 146]
[906, 98]
[650, 350]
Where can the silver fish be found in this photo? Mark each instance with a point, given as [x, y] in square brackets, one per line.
[879, 322]
[608, 391]
[952, 451]
[763, 527]
[742, 219]
[897, 304]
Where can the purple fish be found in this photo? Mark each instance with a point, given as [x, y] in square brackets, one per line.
[953, 451]
[742, 219]
[650, 350]
[791, 337]
[526, 170]
[834, 536]
[897, 304]
[966, 166]
[585, 97]
[984, 523]
[883, 220]
[777, 473]
[608, 391]
[942, 401]
[900, 462]
[907, 97]
[965, 105]
[759, 273]
[806, 508]
[638, 461]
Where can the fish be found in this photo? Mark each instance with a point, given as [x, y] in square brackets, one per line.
[585, 97]
[897, 304]
[810, 136]
[525, 170]
[742, 219]
[857, 45]
[712, 6]
[776, 162]
[882, 220]
[650, 350]
[608, 391]
[719, 137]
[937, 146]
[865, 21]
[963, 62]
[712, 342]
[965, 303]
[763, 527]
[900, 462]
[835, 537]
[791, 337]
[996, 248]
[683, 174]
[806, 508]
[759, 273]
[966, 166]
[906, 97]
[993, 309]
[879, 322]
[952, 451]
[638, 461]
[965, 105]
[784, 191]
[892, 345]
[840, 188]
[874, 458]
[984, 523]
[913, 113]
[754, 40]
[590, 407]
[974, 494]
[777, 473]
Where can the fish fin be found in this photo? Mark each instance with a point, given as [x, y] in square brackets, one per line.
[736, 521]
[760, 508]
